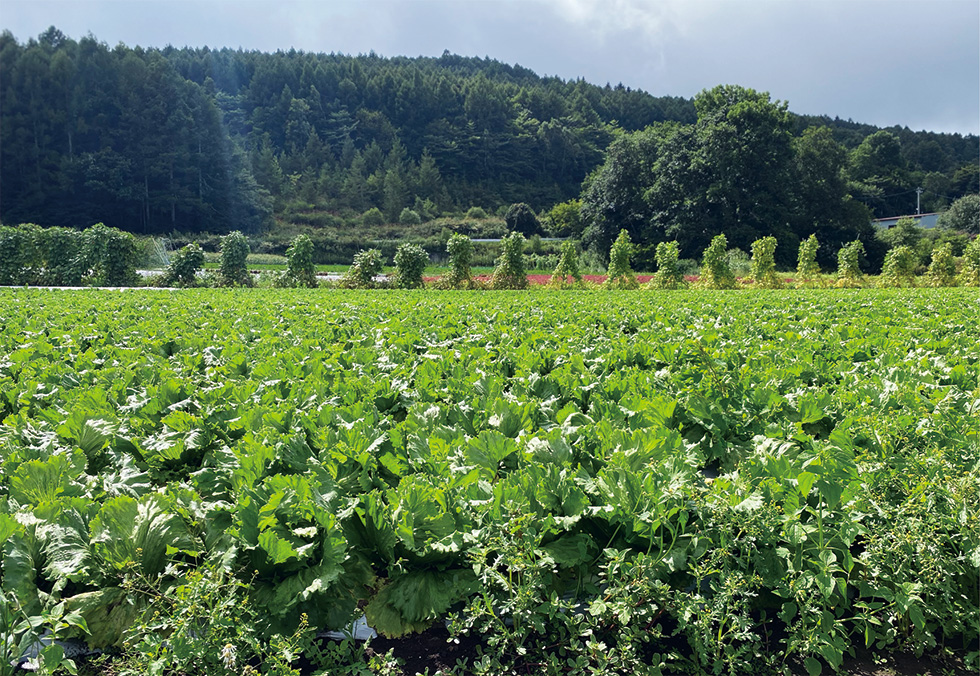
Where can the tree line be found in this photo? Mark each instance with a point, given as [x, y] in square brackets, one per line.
[739, 169]
[30, 255]
[202, 140]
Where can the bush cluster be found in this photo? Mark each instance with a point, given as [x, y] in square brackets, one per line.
[621, 275]
[716, 273]
[234, 261]
[184, 266]
[669, 274]
[64, 257]
[510, 272]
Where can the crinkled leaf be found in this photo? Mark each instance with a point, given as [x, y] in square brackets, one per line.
[128, 531]
[412, 601]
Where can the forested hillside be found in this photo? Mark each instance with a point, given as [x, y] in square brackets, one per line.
[154, 141]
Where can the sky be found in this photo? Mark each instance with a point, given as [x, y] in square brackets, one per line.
[913, 63]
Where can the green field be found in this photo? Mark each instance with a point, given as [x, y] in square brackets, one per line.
[587, 482]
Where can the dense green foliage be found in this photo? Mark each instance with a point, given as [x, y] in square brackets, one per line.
[61, 256]
[763, 266]
[184, 265]
[510, 272]
[716, 273]
[620, 273]
[963, 215]
[460, 250]
[362, 274]
[849, 265]
[899, 268]
[806, 262]
[202, 139]
[210, 140]
[520, 218]
[300, 270]
[668, 271]
[740, 169]
[702, 483]
[410, 262]
[234, 260]
[970, 274]
[566, 274]
[942, 268]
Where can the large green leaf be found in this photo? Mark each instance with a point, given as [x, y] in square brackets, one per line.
[129, 532]
[412, 601]
[108, 613]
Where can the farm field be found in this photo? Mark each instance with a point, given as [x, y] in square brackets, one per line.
[578, 482]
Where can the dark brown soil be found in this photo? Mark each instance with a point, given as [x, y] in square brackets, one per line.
[432, 650]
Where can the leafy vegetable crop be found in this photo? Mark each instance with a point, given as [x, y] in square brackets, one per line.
[699, 480]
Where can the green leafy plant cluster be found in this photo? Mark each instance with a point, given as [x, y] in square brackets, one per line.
[942, 268]
[460, 250]
[234, 260]
[510, 272]
[763, 268]
[110, 256]
[723, 483]
[64, 257]
[849, 273]
[300, 270]
[716, 273]
[669, 275]
[566, 274]
[409, 217]
[410, 262]
[970, 274]
[806, 266]
[184, 266]
[899, 267]
[363, 272]
[620, 274]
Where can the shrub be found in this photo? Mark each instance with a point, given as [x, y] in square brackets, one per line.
[764, 264]
[409, 217]
[61, 250]
[970, 275]
[520, 218]
[460, 250]
[111, 256]
[476, 213]
[848, 265]
[16, 250]
[806, 265]
[962, 215]
[300, 270]
[234, 260]
[567, 267]
[367, 265]
[669, 274]
[716, 273]
[942, 269]
[565, 219]
[184, 266]
[510, 273]
[905, 232]
[410, 262]
[620, 273]
[899, 268]
[373, 217]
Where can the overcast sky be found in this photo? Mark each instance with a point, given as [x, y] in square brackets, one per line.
[914, 63]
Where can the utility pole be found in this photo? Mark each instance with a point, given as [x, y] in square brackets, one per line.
[918, 194]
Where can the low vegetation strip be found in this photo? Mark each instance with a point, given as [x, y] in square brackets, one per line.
[589, 483]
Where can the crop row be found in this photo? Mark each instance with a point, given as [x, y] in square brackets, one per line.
[690, 481]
